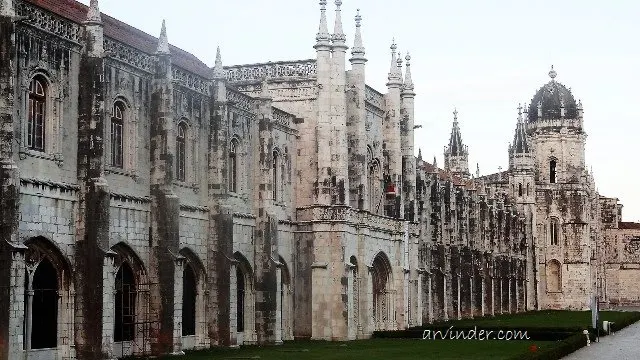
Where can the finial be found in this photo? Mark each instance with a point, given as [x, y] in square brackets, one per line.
[395, 77]
[519, 109]
[455, 115]
[552, 73]
[338, 37]
[357, 51]
[393, 46]
[93, 14]
[477, 170]
[7, 8]
[408, 81]
[435, 162]
[322, 38]
[218, 70]
[579, 104]
[163, 43]
[420, 154]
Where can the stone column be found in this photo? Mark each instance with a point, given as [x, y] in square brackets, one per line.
[179, 263]
[351, 316]
[279, 309]
[108, 303]
[233, 305]
[418, 321]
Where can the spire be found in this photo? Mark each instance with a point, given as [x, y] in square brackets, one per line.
[218, 70]
[163, 43]
[394, 77]
[420, 154]
[456, 147]
[408, 81]
[357, 51]
[435, 162]
[477, 170]
[93, 14]
[323, 38]
[552, 74]
[520, 142]
[338, 37]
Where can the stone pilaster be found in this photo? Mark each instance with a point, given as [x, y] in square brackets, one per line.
[92, 341]
[165, 206]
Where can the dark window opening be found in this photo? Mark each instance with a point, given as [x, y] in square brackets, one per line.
[125, 304]
[36, 121]
[519, 189]
[233, 167]
[275, 175]
[44, 329]
[188, 301]
[552, 171]
[117, 141]
[181, 151]
[240, 300]
[554, 232]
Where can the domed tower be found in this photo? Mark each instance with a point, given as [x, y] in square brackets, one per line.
[562, 199]
[556, 129]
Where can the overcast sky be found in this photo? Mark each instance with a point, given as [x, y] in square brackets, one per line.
[483, 57]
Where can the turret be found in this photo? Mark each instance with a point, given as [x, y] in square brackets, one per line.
[407, 123]
[521, 163]
[456, 154]
[94, 30]
[392, 139]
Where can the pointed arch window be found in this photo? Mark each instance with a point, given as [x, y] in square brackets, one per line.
[189, 295]
[36, 124]
[125, 304]
[181, 152]
[233, 166]
[117, 135]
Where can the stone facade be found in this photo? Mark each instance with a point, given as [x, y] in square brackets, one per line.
[150, 204]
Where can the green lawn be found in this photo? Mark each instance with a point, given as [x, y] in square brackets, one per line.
[374, 349]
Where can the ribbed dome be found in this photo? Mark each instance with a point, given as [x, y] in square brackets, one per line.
[551, 96]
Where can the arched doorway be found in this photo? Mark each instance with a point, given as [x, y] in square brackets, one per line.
[286, 308]
[125, 304]
[189, 294]
[46, 294]
[382, 292]
[244, 307]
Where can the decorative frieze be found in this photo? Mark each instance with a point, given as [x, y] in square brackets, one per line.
[281, 117]
[240, 100]
[48, 22]
[303, 69]
[373, 97]
[190, 81]
[129, 55]
[50, 184]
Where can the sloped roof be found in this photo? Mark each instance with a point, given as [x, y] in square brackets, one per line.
[127, 34]
[628, 225]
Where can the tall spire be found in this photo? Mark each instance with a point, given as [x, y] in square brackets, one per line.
[394, 77]
[520, 142]
[93, 14]
[408, 81]
[399, 62]
[323, 38]
[163, 43]
[338, 38]
[218, 70]
[357, 51]
[456, 147]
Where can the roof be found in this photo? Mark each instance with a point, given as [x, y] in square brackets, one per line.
[445, 175]
[628, 225]
[127, 34]
[551, 97]
[501, 176]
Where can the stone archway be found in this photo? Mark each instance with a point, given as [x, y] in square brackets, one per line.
[47, 296]
[194, 334]
[382, 293]
[286, 302]
[245, 302]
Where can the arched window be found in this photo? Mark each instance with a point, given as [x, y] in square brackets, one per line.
[552, 171]
[233, 166]
[240, 300]
[554, 231]
[44, 306]
[374, 185]
[554, 276]
[528, 188]
[181, 152]
[125, 307]
[520, 189]
[36, 123]
[189, 284]
[117, 135]
[276, 183]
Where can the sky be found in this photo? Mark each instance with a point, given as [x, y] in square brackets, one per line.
[481, 57]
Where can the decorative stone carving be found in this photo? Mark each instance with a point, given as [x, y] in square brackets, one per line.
[281, 117]
[240, 100]
[128, 55]
[373, 97]
[298, 69]
[190, 81]
[46, 21]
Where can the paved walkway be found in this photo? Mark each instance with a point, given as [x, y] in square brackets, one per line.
[622, 345]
